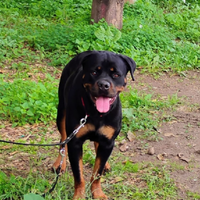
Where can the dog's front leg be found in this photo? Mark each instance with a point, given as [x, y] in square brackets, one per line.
[75, 158]
[103, 153]
[107, 165]
[62, 129]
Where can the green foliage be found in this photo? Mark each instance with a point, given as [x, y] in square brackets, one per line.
[159, 45]
[8, 189]
[27, 101]
[150, 183]
[174, 4]
[13, 187]
[32, 197]
[88, 154]
[127, 167]
[141, 112]
[185, 23]
[107, 38]
[159, 179]
[159, 35]
[61, 10]
[194, 196]
[156, 184]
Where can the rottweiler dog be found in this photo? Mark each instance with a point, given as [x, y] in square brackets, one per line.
[89, 86]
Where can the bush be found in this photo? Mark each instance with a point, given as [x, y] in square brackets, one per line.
[28, 102]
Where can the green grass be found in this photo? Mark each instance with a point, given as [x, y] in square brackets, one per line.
[14, 187]
[143, 111]
[155, 184]
[28, 102]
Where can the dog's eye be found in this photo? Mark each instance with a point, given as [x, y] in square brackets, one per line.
[115, 75]
[94, 73]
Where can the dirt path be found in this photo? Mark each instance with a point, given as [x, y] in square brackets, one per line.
[179, 148]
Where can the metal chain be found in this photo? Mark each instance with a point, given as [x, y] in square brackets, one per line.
[82, 123]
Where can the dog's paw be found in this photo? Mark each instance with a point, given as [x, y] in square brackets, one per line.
[107, 168]
[99, 195]
[56, 165]
[97, 192]
[79, 193]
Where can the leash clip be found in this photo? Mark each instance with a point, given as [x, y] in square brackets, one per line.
[83, 121]
[62, 153]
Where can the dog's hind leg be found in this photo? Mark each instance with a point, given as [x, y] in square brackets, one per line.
[61, 121]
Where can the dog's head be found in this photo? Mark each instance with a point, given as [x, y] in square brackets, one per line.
[104, 76]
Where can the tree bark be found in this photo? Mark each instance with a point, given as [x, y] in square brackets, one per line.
[110, 10]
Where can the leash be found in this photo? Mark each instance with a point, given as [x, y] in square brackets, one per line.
[82, 123]
[62, 151]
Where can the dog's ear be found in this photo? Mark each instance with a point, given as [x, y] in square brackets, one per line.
[82, 56]
[131, 65]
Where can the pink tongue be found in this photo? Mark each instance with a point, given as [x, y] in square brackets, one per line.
[103, 104]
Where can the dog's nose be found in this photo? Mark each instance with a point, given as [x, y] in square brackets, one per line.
[103, 85]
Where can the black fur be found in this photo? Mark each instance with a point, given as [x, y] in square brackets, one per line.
[86, 77]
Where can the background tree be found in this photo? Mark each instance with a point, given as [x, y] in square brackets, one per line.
[110, 10]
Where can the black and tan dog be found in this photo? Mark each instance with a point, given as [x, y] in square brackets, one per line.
[90, 85]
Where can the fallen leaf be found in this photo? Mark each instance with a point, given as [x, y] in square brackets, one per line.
[125, 161]
[172, 122]
[6, 147]
[130, 136]
[124, 147]
[123, 142]
[180, 155]
[151, 151]
[184, 158]
[169, 135]
[12, 153]
[160, 157]
[116, 180]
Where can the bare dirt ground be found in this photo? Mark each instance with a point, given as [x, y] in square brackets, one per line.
[180, 145]
[178, 148]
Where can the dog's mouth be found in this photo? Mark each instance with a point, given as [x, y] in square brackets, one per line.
[103, 103]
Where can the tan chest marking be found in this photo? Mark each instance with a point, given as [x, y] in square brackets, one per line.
[84, 130]
[107, 131]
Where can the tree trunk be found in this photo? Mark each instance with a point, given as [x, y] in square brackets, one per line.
[110, 10]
